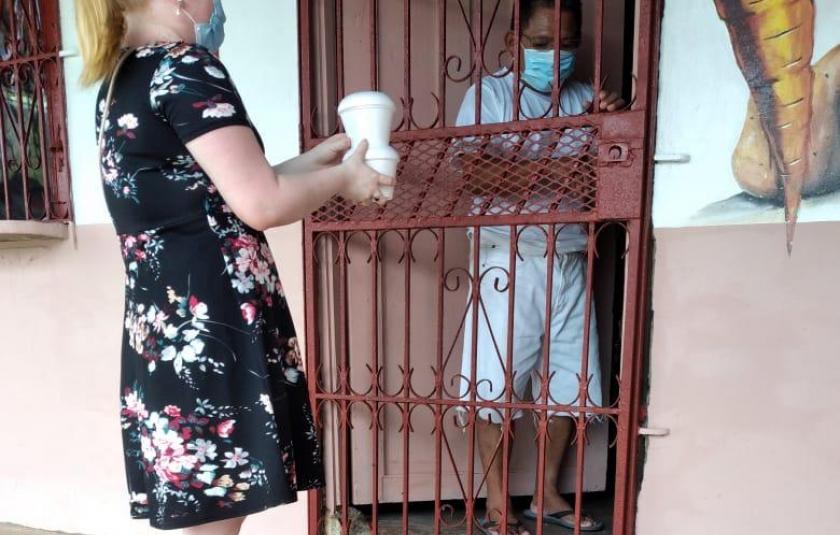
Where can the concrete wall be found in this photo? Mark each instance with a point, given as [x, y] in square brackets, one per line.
[744, 372]
[61, 309]
[744, 366]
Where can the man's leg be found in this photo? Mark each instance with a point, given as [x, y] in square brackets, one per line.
[566, 348]
[560, 431]
[491, 451]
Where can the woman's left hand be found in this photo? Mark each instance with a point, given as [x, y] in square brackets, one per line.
[330, 152]
[326, 155]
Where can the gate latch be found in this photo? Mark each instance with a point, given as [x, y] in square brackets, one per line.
[614, 153]
[654, 432]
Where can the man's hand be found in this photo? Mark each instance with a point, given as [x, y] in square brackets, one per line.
[609, 101]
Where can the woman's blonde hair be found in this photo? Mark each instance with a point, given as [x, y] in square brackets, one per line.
[100, 26]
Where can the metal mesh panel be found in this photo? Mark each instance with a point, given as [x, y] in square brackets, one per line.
[511, 173]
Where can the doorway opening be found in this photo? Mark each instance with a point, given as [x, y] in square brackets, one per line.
[409, 305]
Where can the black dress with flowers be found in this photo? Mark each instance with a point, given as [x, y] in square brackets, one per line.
[215, 415]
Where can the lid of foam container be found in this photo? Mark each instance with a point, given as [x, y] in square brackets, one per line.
[364, 99]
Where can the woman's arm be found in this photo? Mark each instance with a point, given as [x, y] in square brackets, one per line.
[327, 154]
[261, 197]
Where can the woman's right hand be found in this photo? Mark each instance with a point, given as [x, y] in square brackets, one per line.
[361, 183]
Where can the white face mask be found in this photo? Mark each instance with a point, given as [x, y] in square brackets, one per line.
[210, 34]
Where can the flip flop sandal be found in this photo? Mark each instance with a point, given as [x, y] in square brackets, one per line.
[562, 518]
[490, 527]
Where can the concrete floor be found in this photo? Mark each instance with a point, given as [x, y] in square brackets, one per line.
[421, 518]
[8, 529]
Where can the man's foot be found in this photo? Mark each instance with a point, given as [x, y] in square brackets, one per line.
[559, 512]
[566, 519]
[492, 527]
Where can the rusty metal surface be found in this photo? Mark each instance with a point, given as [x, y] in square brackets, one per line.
[385, 366]
[35, 178]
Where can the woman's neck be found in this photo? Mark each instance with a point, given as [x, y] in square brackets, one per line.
[142, 31]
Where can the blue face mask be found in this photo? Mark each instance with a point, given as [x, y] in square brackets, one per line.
[539, 68]
[211, 34]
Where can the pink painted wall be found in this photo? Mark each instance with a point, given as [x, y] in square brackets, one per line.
[744, 372]
[60, 332]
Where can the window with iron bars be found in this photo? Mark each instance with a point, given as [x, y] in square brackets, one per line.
[35, 180]
[405, 303]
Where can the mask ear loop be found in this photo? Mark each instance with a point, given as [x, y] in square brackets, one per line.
[179, 10]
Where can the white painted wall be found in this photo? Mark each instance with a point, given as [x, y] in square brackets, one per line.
[261, 53]
[702, 105]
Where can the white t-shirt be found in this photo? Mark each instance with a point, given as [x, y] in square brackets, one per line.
[497, 107]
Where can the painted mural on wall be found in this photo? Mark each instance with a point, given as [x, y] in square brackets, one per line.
[778, 157]
[783, 146]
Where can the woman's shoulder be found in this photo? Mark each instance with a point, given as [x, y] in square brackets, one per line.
[173, 51]
[170, 57]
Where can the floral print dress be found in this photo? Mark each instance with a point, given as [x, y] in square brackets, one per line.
[214, 409]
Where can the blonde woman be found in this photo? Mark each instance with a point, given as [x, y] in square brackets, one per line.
[215, 415]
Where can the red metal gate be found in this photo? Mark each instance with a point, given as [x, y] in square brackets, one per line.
[394, 294]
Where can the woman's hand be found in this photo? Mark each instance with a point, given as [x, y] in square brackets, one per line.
[361, 183]
[325, 156]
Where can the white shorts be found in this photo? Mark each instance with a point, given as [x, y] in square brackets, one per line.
[566, 333]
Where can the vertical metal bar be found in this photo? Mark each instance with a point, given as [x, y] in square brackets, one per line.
[583, 395]
[517, 55]
[406, 407]
[42, 137]
[477, 20]
[374, 45]
[374, 358]
[23, 135]
[543, 437]
[5, 160]
[439, 377]
[441, 23]
[13, 31]
[339, 48]
[305, 56]
[21, 130]
[507, 426]
[344, 380]
[473, 412]
[599, 54]
[646, 60]
[649, 24]
[625, 432]
[59, 109]
[408, 105]
[311, 329]
[558, 40]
